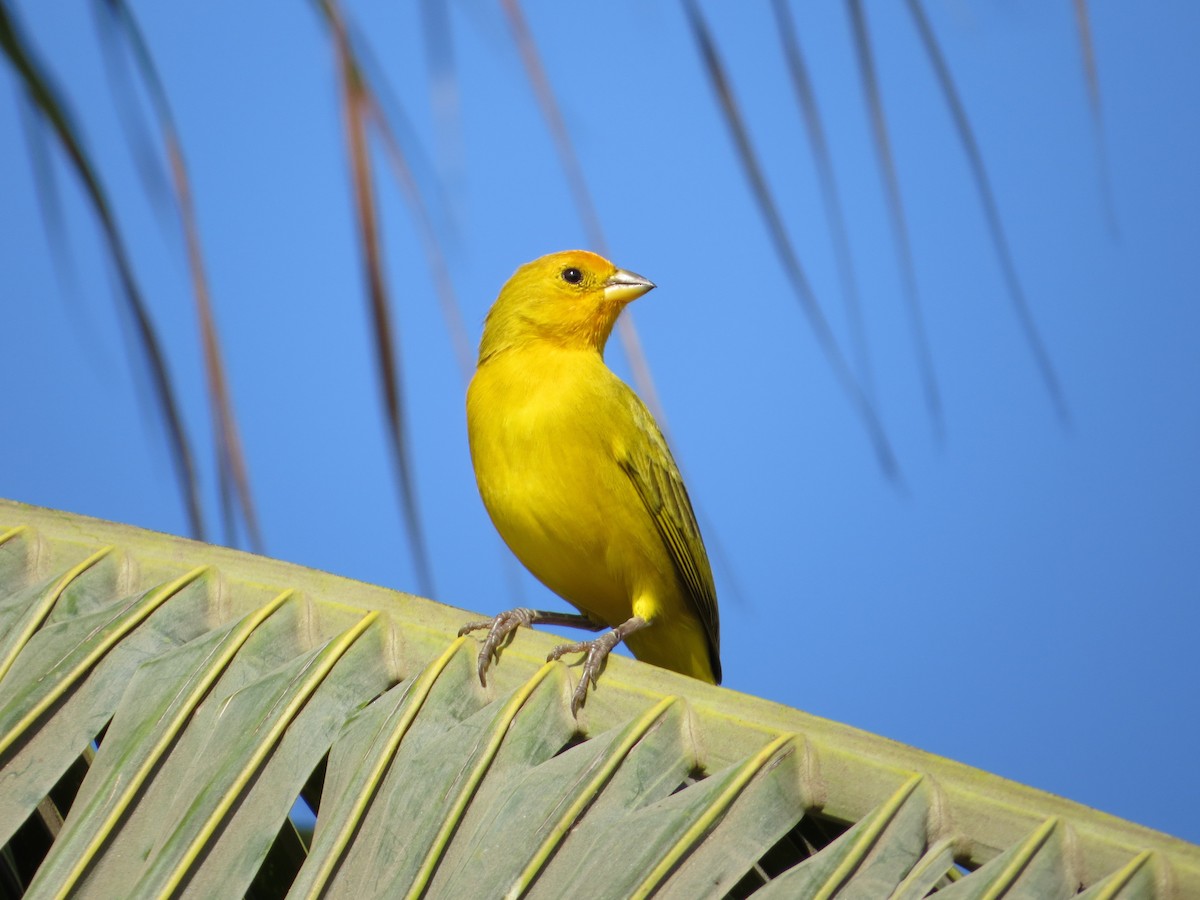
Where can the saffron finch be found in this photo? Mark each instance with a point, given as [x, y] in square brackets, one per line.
[578, 479]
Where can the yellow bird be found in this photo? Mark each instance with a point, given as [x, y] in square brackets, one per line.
[577, 477]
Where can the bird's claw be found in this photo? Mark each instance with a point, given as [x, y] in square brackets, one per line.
[597, 652]
[500, 628]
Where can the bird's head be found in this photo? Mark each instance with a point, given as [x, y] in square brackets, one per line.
[571, 298]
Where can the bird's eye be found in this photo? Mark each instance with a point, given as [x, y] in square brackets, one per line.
[572, 275]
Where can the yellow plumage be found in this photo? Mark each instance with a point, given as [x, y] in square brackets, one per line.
[577, 477]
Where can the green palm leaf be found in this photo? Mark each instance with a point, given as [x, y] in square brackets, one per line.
[214, 684]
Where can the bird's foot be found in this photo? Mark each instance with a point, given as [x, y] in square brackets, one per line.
[597, 651]
[500, 628]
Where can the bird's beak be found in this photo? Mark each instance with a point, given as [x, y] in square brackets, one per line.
[624, 287]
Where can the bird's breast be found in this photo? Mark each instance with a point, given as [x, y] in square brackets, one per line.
[542, 433]
[537, 451]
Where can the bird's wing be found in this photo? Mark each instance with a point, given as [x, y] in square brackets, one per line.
[656, 478]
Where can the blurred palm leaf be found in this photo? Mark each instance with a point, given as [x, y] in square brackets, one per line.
[356, 107]
[769, 209]
[895, 205]
[815, 128]
[1091, 75]
[221, 688]
[232, 470]
[991, 211]
[386, 120]
[46, 100]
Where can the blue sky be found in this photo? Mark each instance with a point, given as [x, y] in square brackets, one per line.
[1028, 602]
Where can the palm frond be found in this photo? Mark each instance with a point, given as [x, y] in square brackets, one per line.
[443, 81]
[232, 470]
[807, 100]
[991, 211]
[439, 267]
[1091, 76]
[46, 100]
[895, 205]
[356, 108]
[788, 258]
[216, 684]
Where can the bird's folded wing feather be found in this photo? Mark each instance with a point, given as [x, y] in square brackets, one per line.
[656, 478]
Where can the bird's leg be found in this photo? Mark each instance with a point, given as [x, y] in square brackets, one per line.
[502, 626]
[597, 652]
